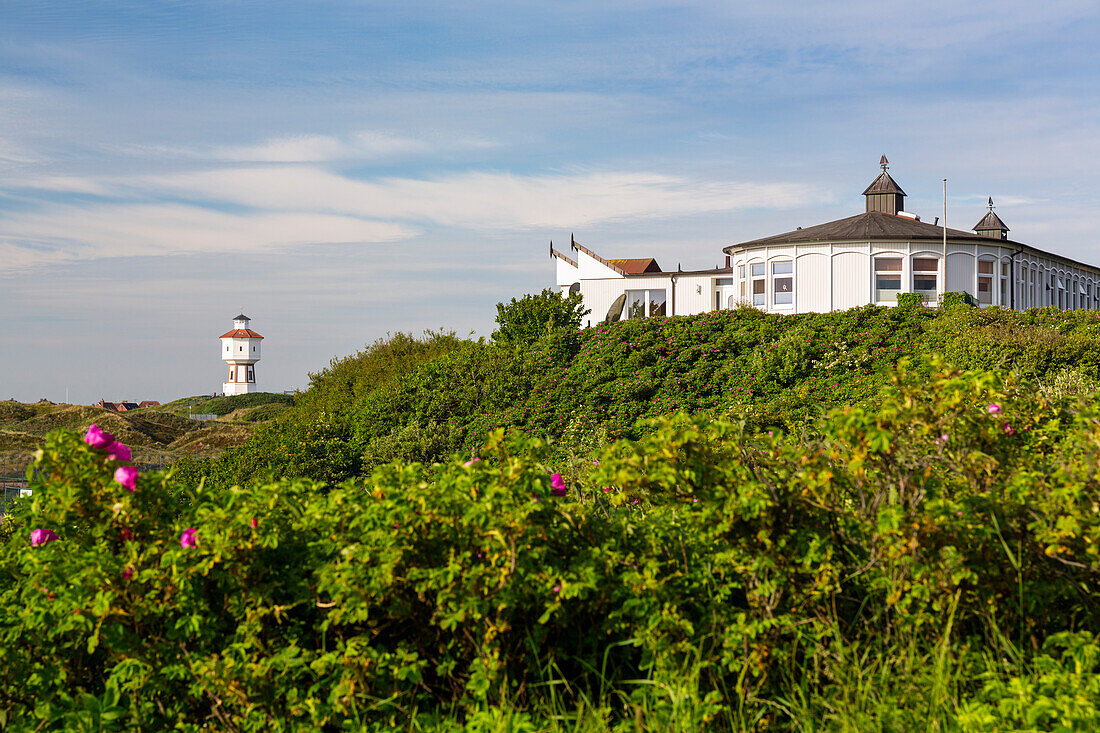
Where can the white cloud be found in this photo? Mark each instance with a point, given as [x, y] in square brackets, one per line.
[82, 232]
[299, 204]
[478, 200]
[321, 148]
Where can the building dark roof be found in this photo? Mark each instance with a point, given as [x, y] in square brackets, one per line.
[883, 184]
[990, 222]
[241, 317]
[868, 226]
[637, 266]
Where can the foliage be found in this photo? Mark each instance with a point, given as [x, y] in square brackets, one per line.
[700, 576]
[532, 317]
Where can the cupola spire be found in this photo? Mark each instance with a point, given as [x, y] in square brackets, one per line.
[991, 225]
[884, 194]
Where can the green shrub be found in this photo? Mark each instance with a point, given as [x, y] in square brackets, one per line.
[533, 317]
[677, 584]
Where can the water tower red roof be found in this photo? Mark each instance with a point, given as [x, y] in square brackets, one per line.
[241, 333]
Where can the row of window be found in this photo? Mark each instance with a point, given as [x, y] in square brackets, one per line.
[888, 270]
[924, 273]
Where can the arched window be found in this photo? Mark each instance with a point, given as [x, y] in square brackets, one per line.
[887, 279]
[926, 275]
[985, 282]
[783, 282]
[759, 299]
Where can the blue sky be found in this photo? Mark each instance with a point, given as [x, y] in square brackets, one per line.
[341, 170]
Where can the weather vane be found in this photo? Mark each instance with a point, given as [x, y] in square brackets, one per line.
[884, 163]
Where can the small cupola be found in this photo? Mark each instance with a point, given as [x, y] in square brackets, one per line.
[884, 194]
[991, 225]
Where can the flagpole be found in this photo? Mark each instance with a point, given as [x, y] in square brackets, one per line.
[945, 235]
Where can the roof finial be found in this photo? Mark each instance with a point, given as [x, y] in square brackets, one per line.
[884, 163]
[991, 203]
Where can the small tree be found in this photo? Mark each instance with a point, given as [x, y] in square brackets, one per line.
[535, 316]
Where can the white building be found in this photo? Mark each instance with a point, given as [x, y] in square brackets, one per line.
[241, 350]
[868, 258]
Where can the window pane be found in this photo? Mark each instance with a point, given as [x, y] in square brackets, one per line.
[635, 304]
[758, 292]
[985, 267]
[782, 268]
[783, 287]
[1005, 269]
[758, 269]
[724, 281]
[656, 302]
[985, 289]
[887, 287]
[741, 272]
[926, 264]
[888, 264]
[924, 283]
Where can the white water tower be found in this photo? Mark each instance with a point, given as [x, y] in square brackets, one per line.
[241, 350]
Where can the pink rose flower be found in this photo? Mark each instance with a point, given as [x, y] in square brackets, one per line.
[471, 462]
[189, 538]
[1009, 430]
[557, 486]
[42, 536]
[253, 523]
[127, 476]
[994, 409]
[128, 573]
[118, 452]
[97, 438]
[595, 461]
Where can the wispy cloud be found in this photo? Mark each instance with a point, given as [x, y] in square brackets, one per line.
[83, 232]
[286, 205]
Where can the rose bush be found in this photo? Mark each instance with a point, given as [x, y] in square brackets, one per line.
[678, 579]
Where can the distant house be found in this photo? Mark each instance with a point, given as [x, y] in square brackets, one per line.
[124, 406]
[869, 258]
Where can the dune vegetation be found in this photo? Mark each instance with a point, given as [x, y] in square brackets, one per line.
[879, 519]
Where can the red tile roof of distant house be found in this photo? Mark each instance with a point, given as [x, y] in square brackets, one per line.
[149, 403]
[241, 333]
[637, 266]
[124, 406]
[107, 406]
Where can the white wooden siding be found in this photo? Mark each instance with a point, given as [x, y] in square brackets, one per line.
[811, 286]
[851, 280]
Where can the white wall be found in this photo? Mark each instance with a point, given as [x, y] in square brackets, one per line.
[566, 273]
[851, 278]
[241, 350]
[812, 281]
